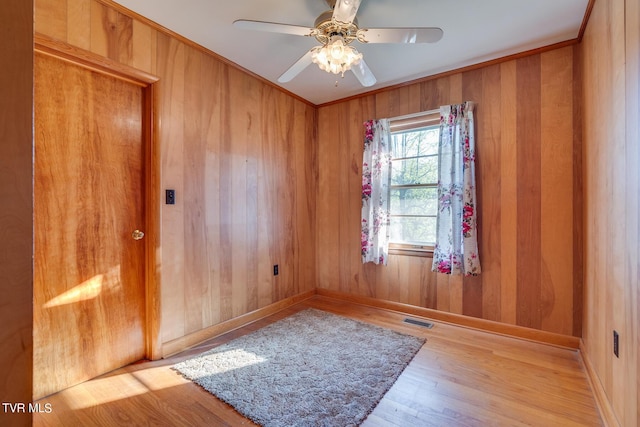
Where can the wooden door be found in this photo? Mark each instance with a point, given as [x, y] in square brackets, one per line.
[89, 197]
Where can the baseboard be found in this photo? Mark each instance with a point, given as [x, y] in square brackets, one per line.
[602, 402]
[521, 332]
[180, 344]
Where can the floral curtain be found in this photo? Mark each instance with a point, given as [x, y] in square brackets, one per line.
[456, 250]
[376, 179]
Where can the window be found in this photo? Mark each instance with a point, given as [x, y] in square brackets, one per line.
[414, 184]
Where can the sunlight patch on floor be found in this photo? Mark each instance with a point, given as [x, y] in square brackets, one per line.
[230, 360]
[103, 390]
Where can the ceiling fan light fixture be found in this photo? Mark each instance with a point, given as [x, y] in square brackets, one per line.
[335, 57]
[337, 50]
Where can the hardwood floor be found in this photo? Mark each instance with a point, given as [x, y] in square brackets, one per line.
[461, 377]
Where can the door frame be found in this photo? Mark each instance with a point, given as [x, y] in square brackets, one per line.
[151, 158]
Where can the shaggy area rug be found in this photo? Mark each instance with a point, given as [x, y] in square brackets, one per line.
[310, 369]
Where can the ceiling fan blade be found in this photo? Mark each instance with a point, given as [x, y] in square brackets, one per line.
[401, 35]
[363, 74]
[345, 10]
[296, 68]
[273, 27]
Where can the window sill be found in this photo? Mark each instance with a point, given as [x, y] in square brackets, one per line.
[408, 250]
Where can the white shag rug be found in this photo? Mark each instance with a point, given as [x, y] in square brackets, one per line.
[310, 369]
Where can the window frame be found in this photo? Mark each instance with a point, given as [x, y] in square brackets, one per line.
[413, 122]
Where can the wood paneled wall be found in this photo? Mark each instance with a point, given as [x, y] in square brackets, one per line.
[528, 173]
[16, 189]
[241, 156]
[611, 63]
[243, 159]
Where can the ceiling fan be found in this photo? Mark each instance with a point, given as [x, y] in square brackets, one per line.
[336, 29]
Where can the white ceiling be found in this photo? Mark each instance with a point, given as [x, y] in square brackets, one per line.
[474, 31]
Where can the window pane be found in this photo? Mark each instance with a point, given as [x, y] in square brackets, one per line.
[413, 143]
[414, 201]
[420, 231]
[414, 210]
[421, 170]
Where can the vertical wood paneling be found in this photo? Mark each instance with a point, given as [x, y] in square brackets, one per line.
[556, 182]
[443, 292]
[78, 28]
[352, 166]
[103, 22]
[16, 189]
[241, 156]
[194, 161]
[328, 202]
[455, 90]
[433, 94]
[276, 214]
[346, 213]
[510, 101]
[609, 57]
[617, 175]
[632, 223]
[306, 206]
[508, 194]
[142, 46]
[225, 201]
[50, 18]
[171, 110]
[235, 156]
[597, 186]
[252, 196]
[268, 197]
[123, 49]
[578, 194]
[211, 116]
[528, 175]
[488, 162]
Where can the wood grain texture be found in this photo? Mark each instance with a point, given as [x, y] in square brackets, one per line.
[491, 326]
[519, 103]
[556, 178]
[490, 213]
[528, 126]
[578, 194]
[241, 156]
[508, 192]
[632, 287]
[153, 240]
[308, 233]
[16, 189]
[460, 377]
[178, 345]
[89, 288]
[78, 12]
[458, 71]
[610, 56]
[246, 204]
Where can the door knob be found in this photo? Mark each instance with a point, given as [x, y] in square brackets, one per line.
[137, 235]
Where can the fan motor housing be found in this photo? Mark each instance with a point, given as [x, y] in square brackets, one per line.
[327, 28]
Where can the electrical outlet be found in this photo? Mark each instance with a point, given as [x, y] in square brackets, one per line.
[275, 270]
[616, 344]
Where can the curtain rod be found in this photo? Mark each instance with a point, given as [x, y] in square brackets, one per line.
[411, 116]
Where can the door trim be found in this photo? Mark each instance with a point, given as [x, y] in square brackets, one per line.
[66, 52]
